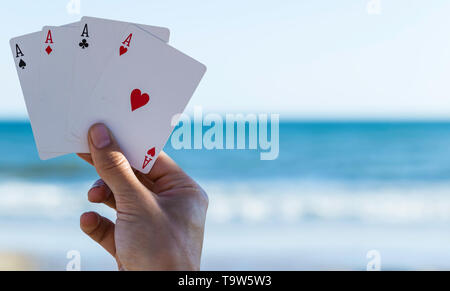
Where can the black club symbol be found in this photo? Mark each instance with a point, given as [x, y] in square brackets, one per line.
[83, 44]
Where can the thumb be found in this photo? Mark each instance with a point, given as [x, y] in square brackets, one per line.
[111, 164]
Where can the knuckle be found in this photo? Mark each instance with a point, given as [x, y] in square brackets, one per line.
[112, 162]
[204, 198]
[102, 235]
[200, 196]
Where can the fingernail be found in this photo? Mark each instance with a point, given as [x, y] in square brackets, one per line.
[100, 136]
[98, 183]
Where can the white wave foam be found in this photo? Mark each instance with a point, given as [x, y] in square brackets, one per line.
[25, 200]
[290, 202]
[256, 202]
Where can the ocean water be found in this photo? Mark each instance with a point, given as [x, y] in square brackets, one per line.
[336, 191]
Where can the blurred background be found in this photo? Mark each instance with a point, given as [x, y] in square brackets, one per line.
[362, 89]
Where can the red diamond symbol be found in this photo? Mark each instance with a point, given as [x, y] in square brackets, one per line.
[48, 50]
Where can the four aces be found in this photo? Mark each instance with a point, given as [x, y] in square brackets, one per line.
[72, 77]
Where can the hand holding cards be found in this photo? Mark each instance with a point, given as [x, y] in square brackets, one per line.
[120, 74]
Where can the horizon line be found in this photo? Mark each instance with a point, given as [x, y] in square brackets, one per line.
[338, 119]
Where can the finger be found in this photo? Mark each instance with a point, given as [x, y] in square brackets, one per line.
[100, 229]
[110, 163]
[100, 193]
[166, 175]
[163, 166]
[87, 158]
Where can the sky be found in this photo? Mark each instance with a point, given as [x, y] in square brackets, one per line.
[302, 59]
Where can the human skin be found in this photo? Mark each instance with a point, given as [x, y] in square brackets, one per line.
[160, 216]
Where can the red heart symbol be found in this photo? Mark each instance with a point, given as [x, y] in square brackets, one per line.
[138, 99]
[123, 50]
[151, 152]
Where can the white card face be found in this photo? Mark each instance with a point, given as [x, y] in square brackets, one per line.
[26, 53]
[54, 83]
[152, 82]
[95, 42]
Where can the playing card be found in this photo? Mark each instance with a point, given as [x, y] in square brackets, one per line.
[73, 24]
[94, 45]
[55, 77]
[144, 84]
[26, 53]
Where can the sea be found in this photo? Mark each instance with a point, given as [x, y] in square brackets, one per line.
[338, 193]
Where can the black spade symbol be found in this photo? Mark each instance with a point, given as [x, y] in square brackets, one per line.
[22, 64]
[83, 44]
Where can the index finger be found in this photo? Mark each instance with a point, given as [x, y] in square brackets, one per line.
[163, 166]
